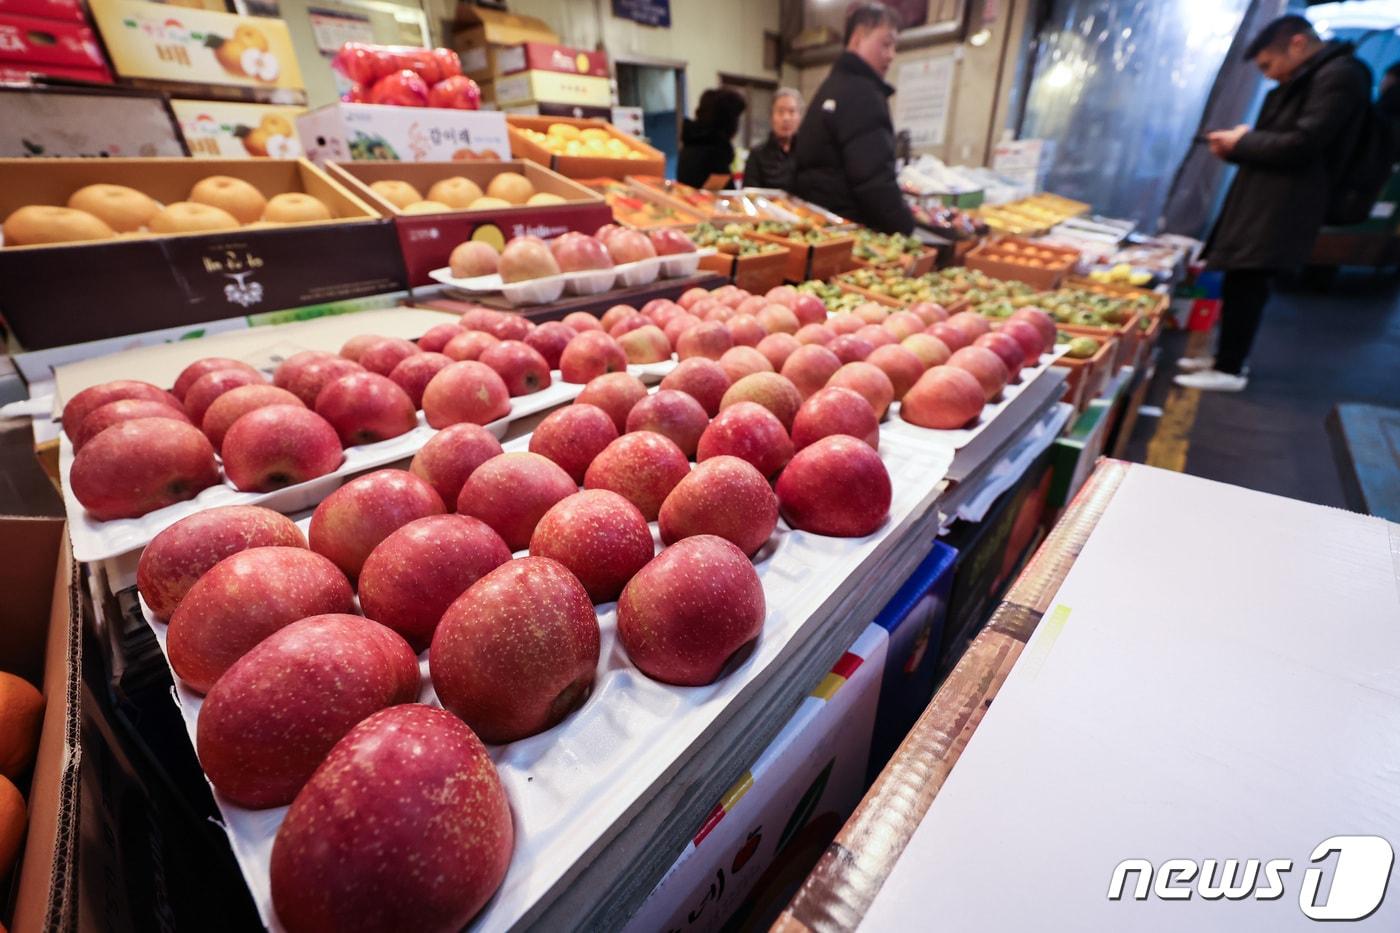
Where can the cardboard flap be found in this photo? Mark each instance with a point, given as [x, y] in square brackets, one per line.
[502, 28]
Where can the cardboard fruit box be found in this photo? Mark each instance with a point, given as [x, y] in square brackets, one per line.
[653, 162]
[1128, 336]
[1009, 258]
[821, 260]
[756, 273]
[637, 207]
[56, 295]
[1086, 378]
[708, 204]
[427, 240]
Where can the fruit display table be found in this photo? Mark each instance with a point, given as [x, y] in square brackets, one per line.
[450, 301]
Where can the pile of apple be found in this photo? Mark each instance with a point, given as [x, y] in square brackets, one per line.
[530, 257]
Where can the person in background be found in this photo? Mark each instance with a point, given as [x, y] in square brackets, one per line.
[1288, 162]
[770, 165]
[707, 142]
[1388, 101]
[844, 155]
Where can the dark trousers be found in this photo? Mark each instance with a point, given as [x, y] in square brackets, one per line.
[1243, 295]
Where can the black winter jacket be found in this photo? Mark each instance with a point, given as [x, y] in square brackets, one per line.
[844, 151]
[1305, 133]
[769, 166]
[705, 151]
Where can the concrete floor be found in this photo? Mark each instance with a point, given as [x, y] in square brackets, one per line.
[1313, 351]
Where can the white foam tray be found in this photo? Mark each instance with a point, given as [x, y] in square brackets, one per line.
[594, 282]
[958, 438]
[569, 785]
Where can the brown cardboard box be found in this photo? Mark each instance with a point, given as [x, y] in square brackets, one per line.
[69, 293]
[581, 166]
[551, 56]
[1000, 259]
[427, 240]
[481, 34]
[812, 260]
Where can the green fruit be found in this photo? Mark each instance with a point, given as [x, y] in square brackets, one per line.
[1081, 348]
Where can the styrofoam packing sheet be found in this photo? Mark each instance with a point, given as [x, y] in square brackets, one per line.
[98, 540]
[586, 282]
[568, 786]
[958, 438]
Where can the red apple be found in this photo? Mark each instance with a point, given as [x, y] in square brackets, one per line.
[629, 246]
[672, 414]
[578, 252]
[355, 347]
[125, 409]
[875, 335]
[350, 522]
[751, 305]
[647, 344]
[519, 365]
[275, 714]
[1028, 337]
[1006, 347]
[668, 241]
[413, 575]
[945, 397]
[511, 493]
[870, 381]
[290, 367]
[455, 92]
[850, 348]
[871, 312]
[690, 296]
[778, 319]
[953, 338]
[777, 348]
[526, 258]
[450, 456]
[709, 340]
[929, 349]
[202, 367]
[772, 391]
[615, 393]
[783, 295]
[182, 553]
[235, 403]
[990, 371]
[383, 355]
[141, 465]
[417, 782]
[739, 362]
[279, 445]
[702, 379]
[661, 311]
[90, 399]
[972, 324]
[581, 321]
[745, 331]
[835, 410]
[403, 88]
[599, 536]
[903, 323]
[898, 363]
[478, 318]
[509, 326]
[437, 336]
[643, 467]
[366, 407]
[810, 367]
[1040, 320]
[204, 390]
[809, 309]
[518, 651]
[928, 312]
[243, 599]
[616, 315]
[837, 486]
[844, 323]
[550, 339]
[572, 436]
[690, 610]
[310, 379]
[750, 432]
[679, 325]
[723, 496]
[589, 355]
[469, 345]
[467, 391]
[415, 372]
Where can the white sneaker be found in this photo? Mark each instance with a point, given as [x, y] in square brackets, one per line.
[1194, 364]
[1212, 381]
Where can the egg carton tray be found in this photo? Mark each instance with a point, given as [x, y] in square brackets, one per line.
[571, 786]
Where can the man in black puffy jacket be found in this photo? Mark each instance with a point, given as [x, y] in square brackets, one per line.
[844, 153]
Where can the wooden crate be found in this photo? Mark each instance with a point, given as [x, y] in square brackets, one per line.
[756, 274]
[1086, 378]
[812, 260]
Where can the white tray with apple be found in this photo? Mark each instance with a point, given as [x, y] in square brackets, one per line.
[570, 785]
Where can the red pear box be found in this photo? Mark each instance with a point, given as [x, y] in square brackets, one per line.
[650, 162]
[427, 240]
[60, 294]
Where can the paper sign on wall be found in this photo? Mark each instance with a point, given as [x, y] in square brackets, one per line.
[921, 106]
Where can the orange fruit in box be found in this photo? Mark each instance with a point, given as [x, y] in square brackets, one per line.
[12, 820]
[21, 713]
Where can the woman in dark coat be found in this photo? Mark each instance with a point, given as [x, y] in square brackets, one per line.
[707, 142]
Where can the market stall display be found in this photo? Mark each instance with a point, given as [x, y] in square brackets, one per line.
[632, 207]
[578, 148]
[907, 252]
[1035, 214]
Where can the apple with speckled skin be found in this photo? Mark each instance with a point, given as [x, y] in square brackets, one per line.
[90, 399]
[777, 348]
[243, 599]
[438, 336]
[723, 496]
[870, 381]
[646, 344]
[836, 486]
[685, 614]
[204, 390]
[465, 392]
[679, 325]
[702, 379]
[572, 436]
[512, 492]
[953, 338]
[810, 367]
[985, 366]
[1040, 320]
[450, 456]
[929, 349]
[520, 366]
[469, 345]
[350, 522]
[288, 369]
[642, 467]
[413, 575]
[672, 414]
[384, 354]
[581, 321]
[899, 364]
[627, 324]
[416, 371]
[739, 362]
[972, 324]
[355, 347]
[420, 784]
[745, 330]
[182, 553]
[902, 323]
[774, 392]
[366, 407]
[235, 403]
[615, 315]
[125, 409]
[876, 335]
[589, 355]
[835, 410]
[141, 465]
[944, 398]
[929, 312]
[809, 309]
[308, 381]
[1028, 337]
[279, 445]
[815, 333]
[599, 536]
[518, 651]
[615, 393]
[709, 339]
[202, 367]
[1006, 347]
[550, 339]
[750, 432]
[274, 715]
[851, 348]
